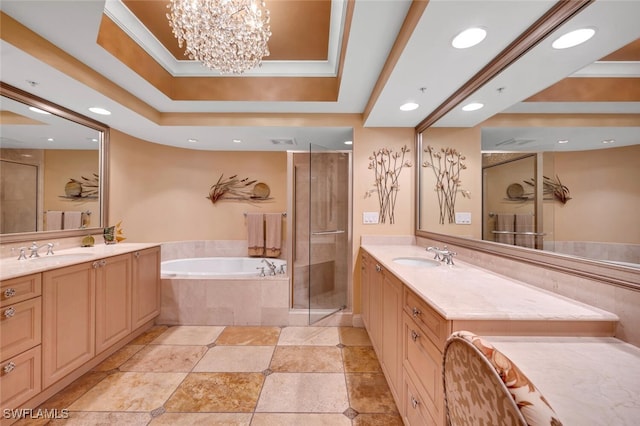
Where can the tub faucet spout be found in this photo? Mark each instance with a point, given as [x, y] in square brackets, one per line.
[271, 266]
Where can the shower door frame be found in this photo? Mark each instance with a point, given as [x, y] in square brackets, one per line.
[291, 224]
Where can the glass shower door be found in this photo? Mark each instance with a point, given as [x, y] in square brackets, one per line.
[329, 231]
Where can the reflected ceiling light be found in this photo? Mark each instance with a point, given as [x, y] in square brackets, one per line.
[409, 106]
[192, 140]
[39, 111]
[237, 141]
[226, 35]
[573, 38]
[101, 111]
[348, 142]
[469, 37]
[473, 106]
[50, 139]
[563, 141]
[608, 141]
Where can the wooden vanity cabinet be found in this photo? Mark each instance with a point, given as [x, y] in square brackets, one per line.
[20, 338]
[146, 286]
[382, 303]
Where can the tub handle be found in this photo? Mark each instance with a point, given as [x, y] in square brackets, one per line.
[262, 274]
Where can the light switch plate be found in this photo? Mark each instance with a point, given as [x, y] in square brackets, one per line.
[370, 218]
[463, 218]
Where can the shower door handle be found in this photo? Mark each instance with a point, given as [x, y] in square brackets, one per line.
[337, 231]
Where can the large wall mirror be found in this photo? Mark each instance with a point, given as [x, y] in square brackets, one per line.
[536, 182]
[53, 172]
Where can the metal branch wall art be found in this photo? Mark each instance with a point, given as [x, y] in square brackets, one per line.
[233, 188]
[387, 166]
[447, 163]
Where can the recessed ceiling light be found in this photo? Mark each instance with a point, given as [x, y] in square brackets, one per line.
[192, 140]
[237, 141]
[409, 106]
[607, 141]
[573, 38]
[348, 142]
[49, 139]
[469, 37]
[473, 106]
[101, 111]
[563, 141]
[39, 111]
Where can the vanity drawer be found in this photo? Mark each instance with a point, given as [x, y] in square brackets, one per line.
[422, 362]
[21, 378]
[21, 327]
[431, 323]
[18, 289]
[414, 411]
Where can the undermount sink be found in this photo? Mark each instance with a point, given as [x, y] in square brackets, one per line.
[59, 258]
[417, 261]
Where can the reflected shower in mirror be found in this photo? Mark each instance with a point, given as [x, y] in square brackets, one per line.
[51, 169]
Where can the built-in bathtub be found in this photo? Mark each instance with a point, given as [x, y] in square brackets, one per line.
[222, 266]
[198, 286]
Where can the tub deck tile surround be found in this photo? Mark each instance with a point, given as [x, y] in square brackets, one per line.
[312, 376]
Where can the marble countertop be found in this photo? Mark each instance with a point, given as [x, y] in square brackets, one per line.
[467, 292]
[12, 268]
[587, 380]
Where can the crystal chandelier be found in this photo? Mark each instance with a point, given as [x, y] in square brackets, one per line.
[226, 35]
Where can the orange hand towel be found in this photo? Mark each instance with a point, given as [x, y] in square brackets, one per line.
[255, 233]
[273, 244]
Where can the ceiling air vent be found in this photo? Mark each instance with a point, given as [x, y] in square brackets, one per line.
[284, 142]
[513, 141]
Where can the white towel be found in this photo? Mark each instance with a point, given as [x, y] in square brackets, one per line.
[54, 220]
[72, 220]
[273, 243]
[255, 234]
[524, 223]
[505, 222]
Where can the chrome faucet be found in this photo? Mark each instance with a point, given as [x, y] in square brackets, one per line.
[34, 249]
[271, 266]
[445, 255]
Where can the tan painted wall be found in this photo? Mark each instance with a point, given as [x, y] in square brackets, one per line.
[159, 192]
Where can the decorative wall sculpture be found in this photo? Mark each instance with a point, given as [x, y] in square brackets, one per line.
[387, 166]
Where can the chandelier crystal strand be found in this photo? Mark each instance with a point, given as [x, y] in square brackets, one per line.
[226, 35]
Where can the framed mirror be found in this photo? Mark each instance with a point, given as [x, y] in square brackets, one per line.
[53, 170]
[588, 230]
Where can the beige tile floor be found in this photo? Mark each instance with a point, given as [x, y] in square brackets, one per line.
[263, 376]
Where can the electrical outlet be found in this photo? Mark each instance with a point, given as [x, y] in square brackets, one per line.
[463, 218]
[370, 218]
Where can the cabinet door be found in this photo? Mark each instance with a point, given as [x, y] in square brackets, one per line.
[113, 300]
[68, 312]
[392, 331]
[364, 290]
[375, 306]
[146, 286]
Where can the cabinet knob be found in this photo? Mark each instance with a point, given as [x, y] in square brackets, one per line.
[95, 265]
[414, 335]
[10, 292]
[9, 367]
[136, 254]
[414, 402]
[8, 313]
[103, 262]
[378, 268]
[415, 312]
